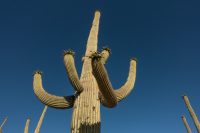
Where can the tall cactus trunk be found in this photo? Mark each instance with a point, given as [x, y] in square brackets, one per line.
[37, 129]
[192, 113]
[86, 114]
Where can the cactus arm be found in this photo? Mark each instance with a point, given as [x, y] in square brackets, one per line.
[37, 129]
[27, 126]
[186, 124]
[71, 71]
[108, 97]
[49, 99]
[125, 90]
[105, 54]
[192, 113]
[4, 122]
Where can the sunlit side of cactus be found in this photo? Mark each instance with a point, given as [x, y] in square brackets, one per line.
[92, 88]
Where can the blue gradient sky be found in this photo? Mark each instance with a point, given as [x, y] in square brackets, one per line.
[163, 35]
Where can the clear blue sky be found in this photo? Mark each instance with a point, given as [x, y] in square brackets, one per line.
[163, 35]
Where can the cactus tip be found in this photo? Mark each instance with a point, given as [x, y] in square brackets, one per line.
[107, 49]
[135, 59]
[95, 56]
[69, 52]
[183, 96]
[97, 12]
[37, 72]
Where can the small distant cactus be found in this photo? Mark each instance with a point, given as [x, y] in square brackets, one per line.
[4, 122]
[93, 87]
[192, 113]
[37, 129]
[27, 125]
[186, 124]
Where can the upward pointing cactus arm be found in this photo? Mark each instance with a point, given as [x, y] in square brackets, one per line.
[108, 95]
[105, 53]
[61, 102]
[71, 71]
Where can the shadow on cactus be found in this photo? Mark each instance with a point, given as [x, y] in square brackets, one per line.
[91, 89]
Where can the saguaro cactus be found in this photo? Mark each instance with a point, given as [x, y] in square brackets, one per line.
[27, 125]
[37, 129]
[186, 124]
[91, 89]
[192, 113]
[4, 122]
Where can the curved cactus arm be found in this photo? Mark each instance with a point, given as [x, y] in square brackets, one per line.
[37, 129]
[108, 97]
[27, 125]
[49, 99]
[105, 53]
[125, 90]
[186, 124]
[71, 70]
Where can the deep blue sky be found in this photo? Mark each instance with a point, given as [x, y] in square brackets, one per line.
[163, 35]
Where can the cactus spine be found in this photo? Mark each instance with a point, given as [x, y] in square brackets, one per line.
[91, 89]
[186, 124]
[4, 122]
[27, 125]
[192, 113]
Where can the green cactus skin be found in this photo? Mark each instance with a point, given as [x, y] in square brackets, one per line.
[192, 113]
[186, 124]
[90, 89]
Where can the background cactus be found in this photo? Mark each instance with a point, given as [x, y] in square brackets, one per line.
[37, 129]
[186, 124]
[27, 125]
[93, 87]
[4, 122]
[192, 113]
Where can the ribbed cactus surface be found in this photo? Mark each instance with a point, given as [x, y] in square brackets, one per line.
[91, 89]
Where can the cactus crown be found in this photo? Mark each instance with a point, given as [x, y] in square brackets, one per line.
[37, 72]
[107, 49]
[95, 56]
[71, 52]
[135, 59]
